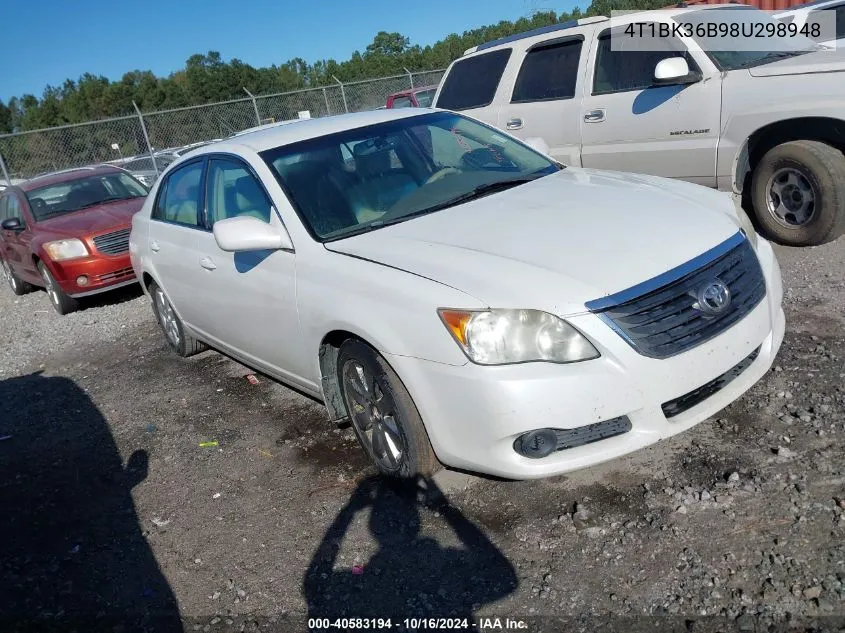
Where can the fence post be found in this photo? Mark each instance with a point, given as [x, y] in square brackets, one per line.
[342, 94]
[5, 171]
[410, 76]
[254, 105]
[326, 99]
[146, 138]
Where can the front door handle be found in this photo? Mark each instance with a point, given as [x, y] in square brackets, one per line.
[594, 116]
[154, 247]
[207, 263]
[514, 124]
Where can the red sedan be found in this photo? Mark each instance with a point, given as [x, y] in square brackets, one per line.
[68, 233]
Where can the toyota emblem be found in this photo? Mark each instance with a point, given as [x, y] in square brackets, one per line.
[714, 297]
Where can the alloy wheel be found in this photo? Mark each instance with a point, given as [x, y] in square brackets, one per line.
[7, 273]
[374, 416]
[791, 197]
[50, 287]
[167, 317]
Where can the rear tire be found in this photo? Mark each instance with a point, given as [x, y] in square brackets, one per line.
[798, 192]
[61, 302]
[18, 285]
[383, 415]
[171, 325]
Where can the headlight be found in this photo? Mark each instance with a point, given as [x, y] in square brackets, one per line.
[65, 249]
[499, 337]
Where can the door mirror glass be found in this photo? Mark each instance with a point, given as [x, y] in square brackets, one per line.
[12, 224]
[247, 233]
[674, 70]
[537, 143]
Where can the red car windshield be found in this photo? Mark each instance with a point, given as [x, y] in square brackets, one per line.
[74, 195]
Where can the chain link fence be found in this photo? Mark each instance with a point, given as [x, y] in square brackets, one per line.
[28, 154]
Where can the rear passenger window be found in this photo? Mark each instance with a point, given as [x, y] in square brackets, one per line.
[548, 72]
[179, 197]
[619, 70]
[472, 82]
[402, 102]
[233, 192]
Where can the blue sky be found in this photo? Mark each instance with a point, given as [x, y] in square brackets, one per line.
[48, 41]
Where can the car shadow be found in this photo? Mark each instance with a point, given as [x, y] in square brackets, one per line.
[410, 575]
[72, 553]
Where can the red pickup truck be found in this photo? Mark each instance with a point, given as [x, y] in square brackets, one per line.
[414, 98]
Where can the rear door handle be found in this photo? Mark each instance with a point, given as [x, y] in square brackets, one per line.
[154, 247]
[594, 116]
[514, 124]
[207, 263]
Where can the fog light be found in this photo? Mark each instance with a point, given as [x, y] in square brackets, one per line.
[82, 280]
[536, 444]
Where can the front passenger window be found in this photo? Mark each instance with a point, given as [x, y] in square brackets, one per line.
[233, 192]
[179, 197]
[621, 70]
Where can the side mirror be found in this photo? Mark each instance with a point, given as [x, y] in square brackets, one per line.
[674, 71]
[538, 144]
[246, 233]
[12, 224]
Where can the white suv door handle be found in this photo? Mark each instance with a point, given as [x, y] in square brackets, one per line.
[154, 247]
[514, 124]
[207, 263]
[594, 116]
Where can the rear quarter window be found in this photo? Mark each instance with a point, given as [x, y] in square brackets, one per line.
[472, 82]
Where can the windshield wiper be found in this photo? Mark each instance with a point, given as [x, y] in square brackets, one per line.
[105, 200]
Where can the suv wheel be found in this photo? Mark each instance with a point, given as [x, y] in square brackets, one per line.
[18, 286]
[174, 332]
[62, 302]
[798, 191]
[384, 417]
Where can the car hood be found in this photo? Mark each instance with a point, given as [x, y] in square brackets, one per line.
[94, 220]
[557, 242]
[824, 61]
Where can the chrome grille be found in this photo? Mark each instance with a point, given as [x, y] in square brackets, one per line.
[115, 243]
[660, 319]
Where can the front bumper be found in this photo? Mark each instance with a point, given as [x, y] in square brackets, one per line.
[473, 413]
[103, 273]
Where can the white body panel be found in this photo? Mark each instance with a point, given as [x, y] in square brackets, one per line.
[552, 245]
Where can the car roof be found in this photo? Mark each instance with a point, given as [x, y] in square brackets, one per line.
[277, 134]
[815, 4]
[413, 91]
[67, 175]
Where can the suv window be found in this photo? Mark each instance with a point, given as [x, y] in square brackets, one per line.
[425, 97]
[179, 198]
[232, 191]
[402, 102]
[840, 20]
[549, 72]
[13, 208]
[620, 70]
[472, 82]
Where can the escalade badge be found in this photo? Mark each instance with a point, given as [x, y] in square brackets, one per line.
[714, 297]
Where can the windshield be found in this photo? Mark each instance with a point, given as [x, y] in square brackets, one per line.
[73, 195]
[370, 177]
[761, 42]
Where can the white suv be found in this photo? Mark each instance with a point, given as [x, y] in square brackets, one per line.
[765, 124]
[458, 296]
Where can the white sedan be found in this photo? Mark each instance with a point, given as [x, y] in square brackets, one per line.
[457, 296]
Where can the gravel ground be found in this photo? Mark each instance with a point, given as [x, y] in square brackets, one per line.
[119, 514]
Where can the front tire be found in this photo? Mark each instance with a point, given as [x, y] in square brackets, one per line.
[382, 413]
[798, 192]
[18, 285]
[61, 301]
[174, 332]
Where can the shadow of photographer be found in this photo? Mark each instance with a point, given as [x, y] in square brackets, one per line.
[72, 554]
[411, 575]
